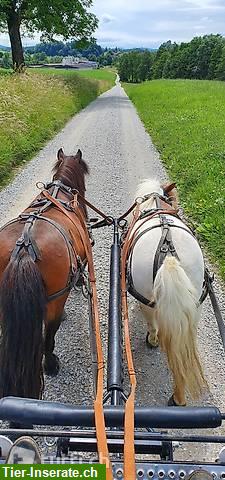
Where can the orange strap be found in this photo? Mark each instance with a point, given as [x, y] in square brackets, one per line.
[129, 450]
[78, 221]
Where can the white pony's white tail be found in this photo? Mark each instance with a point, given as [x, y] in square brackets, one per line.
[177, 317]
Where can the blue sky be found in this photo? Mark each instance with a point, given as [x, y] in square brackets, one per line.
[148, 23]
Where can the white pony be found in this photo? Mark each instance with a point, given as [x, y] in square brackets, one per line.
[173, 287]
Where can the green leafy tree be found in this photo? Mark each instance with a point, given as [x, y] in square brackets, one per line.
[124, 67]
[69, 19]
[220, 71]
[158, 67]
[39, 57]
[6, 60]
[128, 67]
[145, 66]
[161, 58]
[215, 57]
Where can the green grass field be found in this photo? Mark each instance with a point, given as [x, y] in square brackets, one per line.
[33, 107]
[104, 75]
[186, 120]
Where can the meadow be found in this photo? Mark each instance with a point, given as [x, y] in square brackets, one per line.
[35, 105]
[186, 121]
[105, 76]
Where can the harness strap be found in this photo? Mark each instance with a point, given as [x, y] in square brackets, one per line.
[132, 290]
[129, 450]
[205, 287]
[43, 202]
[215, 305]
[90, 205]
[79, 223]
[165, 245]
[27, 242]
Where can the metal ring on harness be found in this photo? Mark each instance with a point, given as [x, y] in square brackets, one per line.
[40, 185]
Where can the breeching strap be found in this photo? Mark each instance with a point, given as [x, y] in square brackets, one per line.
[78, 221]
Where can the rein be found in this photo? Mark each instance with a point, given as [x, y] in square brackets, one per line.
[79, 222]
[129, 450]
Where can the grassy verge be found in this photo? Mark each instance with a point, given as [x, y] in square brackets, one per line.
[186, 122]
[105, 76]
[33, 107]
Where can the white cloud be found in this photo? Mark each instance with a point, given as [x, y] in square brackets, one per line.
[148, 23]
[106, 18]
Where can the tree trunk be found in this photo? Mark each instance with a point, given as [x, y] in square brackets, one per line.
[15, 40]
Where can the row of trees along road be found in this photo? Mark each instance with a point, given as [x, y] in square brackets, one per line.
[202, 58]
[70, 19]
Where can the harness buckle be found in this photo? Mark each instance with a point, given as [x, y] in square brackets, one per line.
[164, 248]
[170, 220]
[20, 241]
[86, 286]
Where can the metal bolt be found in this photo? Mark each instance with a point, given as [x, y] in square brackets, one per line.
[140, 473]
[181, 474]
[150, 473]
[171, 474]
[161, 474]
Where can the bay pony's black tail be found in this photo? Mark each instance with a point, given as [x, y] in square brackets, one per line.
[22, 311]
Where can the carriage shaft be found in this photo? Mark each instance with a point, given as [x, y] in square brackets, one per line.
[115, 347]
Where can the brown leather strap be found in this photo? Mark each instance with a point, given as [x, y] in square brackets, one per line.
[90, 205]
[79, 221]
[127, 212]
[129, 451]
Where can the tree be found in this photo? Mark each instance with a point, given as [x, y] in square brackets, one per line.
[39, 57]
[69, 19]
[162, 55]
[145, 66]
[123, 68]
[6, 60]
[220, 71]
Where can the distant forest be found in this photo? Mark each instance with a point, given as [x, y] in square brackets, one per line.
[53, 52]
[203, 58]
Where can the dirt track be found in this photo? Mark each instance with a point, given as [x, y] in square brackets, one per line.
[120, 154]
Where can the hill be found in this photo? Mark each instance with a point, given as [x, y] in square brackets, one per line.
[3, 47]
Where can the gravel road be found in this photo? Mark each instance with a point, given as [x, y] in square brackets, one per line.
[120, 154]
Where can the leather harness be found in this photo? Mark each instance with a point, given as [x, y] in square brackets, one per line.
[165, 246]
[27, 242]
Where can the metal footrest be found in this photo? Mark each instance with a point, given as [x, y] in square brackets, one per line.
[162, 470]
[174, 471]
